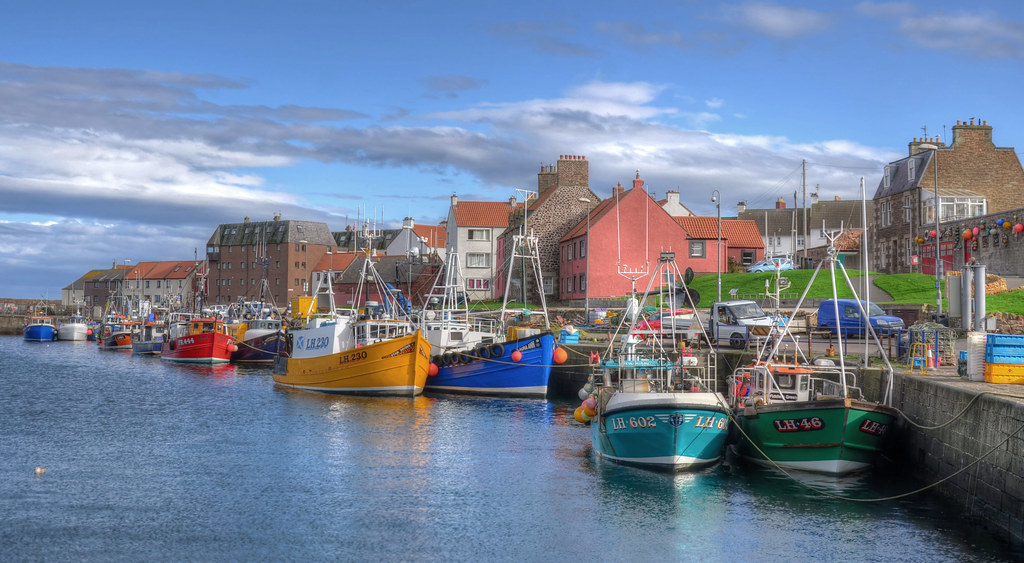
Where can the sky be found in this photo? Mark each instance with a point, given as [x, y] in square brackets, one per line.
[130, 130]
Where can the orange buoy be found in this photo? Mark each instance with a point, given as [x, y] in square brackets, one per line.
[517, 355]
[560, 355]
[432, 370]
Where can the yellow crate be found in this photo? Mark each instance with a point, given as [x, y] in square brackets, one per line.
[300, 306]
[1004, 373]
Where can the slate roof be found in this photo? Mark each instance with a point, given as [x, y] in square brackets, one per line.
[271, 232]
[834, 213]
[899, 177]
[347, 240]
[482, 213]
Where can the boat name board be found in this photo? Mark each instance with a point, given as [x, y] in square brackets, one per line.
[799, 424]
[352, 357]
[873, 428]
[308, 344]
[641, 422]
[187, 340]
[782, 397]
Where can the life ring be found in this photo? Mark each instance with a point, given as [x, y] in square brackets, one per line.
[497, 350]
[483, 352]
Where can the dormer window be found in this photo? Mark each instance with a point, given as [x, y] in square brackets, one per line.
[888, 176]
[911, 169]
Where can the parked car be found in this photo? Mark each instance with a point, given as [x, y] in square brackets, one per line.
[772, 264]
[735, 321]
[850, 320]
[679, 319]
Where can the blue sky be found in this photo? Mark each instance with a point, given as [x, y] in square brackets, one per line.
[130, 130]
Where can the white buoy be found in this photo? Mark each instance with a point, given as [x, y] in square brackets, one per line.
[40, 471]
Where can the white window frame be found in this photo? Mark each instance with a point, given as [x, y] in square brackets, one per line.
[478, 259]
[482, 234]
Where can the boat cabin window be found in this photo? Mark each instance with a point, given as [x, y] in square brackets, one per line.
[786, 381]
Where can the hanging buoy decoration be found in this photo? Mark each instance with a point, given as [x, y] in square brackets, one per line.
[517, 356]
[975, 231]
[590, 403]
[932, 234]
[432, 370]
[578, 415]
[559, 355]
[583, 393]
[968, 234]
[595, 358]
[1018, 228]
[999, 222]
[232, 348]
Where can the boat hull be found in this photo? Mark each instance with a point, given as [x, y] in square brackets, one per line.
[40, 333]
[671, 431]
[392, 367]
[148, 347]
[73, 331]
[117, 341]
[494, 372]
[260, 348]
[202, 348]
[833, 436]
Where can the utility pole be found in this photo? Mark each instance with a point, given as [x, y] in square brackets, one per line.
[806, 231]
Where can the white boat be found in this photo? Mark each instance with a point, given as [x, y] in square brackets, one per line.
[74, 327]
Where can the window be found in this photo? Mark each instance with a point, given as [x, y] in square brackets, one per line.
[571, 251]
[911, 169]
[298, 228]
[279, 248]
[583, 248]
[800, 241]
[479, 234]
[886, 213]
[158, 284]
[241, 281]
[231, 249]
[478, 260]
[888, 176]
[696, 249]
[277, 264]
[243, 265]
[583, 282]
[478, 284]
[907, 216]
[296, 246]
[549, 285]
[296, 282]
[747, 257]
[277, 281]
[147, 284]
[572, 284]
[296, 263]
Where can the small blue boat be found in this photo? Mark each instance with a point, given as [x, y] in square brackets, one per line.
[491, 369]
[40, 329]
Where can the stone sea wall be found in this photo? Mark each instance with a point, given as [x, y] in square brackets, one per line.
[962, 422]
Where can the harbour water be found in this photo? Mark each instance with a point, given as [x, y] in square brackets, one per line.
[151, 461]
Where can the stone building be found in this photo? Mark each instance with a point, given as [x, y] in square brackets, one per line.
[553, 213]
[973, 177]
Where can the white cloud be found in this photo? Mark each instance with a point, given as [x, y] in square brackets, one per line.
[714, 103]
[780, 22]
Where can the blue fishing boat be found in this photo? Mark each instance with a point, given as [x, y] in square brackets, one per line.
[477, 354]
[40, 329]
[652, 404]
[259, 341]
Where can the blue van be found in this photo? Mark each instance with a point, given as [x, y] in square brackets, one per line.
[850, 321]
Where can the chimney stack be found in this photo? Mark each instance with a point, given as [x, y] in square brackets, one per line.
[741, 207]
[617, 190]
[455, 200]
[637, 182]
[780, 203]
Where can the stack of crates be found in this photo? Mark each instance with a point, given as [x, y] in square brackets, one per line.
[1004, 358]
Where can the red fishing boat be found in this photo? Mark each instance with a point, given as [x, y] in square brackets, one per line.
[198, 341]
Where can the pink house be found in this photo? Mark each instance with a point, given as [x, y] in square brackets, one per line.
[627, 232]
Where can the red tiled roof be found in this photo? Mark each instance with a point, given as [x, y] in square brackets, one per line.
[337, 262]
[482, 213]
[742, 233]
[701, 227]
[435, 234]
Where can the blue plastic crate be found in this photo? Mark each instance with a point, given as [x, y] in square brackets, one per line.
[1016, 359]
[566, 338]
[1005, 340]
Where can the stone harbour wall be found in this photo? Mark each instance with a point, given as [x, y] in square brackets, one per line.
[977, 420]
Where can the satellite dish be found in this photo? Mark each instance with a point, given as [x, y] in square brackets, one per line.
[688, 275]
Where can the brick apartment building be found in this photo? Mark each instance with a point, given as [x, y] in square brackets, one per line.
[236, 253]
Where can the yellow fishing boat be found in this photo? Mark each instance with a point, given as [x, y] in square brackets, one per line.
[389, 358]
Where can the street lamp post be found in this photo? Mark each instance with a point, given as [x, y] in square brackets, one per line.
[938, 209]
[586, 288]
[716, 198]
